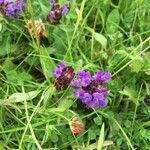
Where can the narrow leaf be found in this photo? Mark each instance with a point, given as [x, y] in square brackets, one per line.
[101, 138]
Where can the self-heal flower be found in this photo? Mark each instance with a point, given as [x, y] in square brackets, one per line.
[64, 75]
[91, 90]
[12, 8]
[57, 12]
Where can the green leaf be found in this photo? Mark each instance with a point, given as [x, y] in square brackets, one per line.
[46, 62]
[101, 138]
[146, 67]
[101, 39]
[98, 121]
[54, 138]
[65, 103]
[98, 37]
[48, 95]
[113, 21]
[131, 94]
[19, 97]
[8, 65]
[0, 27]
[136, 65]
[91, 134]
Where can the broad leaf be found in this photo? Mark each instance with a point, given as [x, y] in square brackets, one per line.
[20, 97]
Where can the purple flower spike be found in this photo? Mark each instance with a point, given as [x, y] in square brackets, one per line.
[95, 90]
[57, 12]
[64, 75]
[65, 9]
[12, 8]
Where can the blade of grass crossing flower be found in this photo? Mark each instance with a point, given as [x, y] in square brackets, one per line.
[101, 138]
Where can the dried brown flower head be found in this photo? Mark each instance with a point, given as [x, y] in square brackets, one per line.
[39, 29]
[76, 126]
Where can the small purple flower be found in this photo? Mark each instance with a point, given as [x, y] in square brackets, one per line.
[85, 82]
[79, 93]
[57, 72]
[83, 74]
[64, 75]
[65, 9]
[75, 83]
[85, 78]
[98, 98]
[4, 2]
[52, 2]
[62, 65]
[86, 98]
[106, 77]
[92, 91]
[57, 12]
[59, 69]
[102, 76]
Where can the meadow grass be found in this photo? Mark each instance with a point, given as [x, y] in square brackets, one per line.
[110, 35]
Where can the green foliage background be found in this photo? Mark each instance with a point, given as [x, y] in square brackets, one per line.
[111, 35]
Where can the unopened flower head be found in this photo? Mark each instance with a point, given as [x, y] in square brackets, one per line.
[92, 90]
[76, 126]
[11, 8]
[64, 75]
[57, 12]
[39, 28]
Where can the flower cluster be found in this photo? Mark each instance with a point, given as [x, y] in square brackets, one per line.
[91, 90]
[12, 8]
[64, 75]
[39, 28]
[57, 12]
